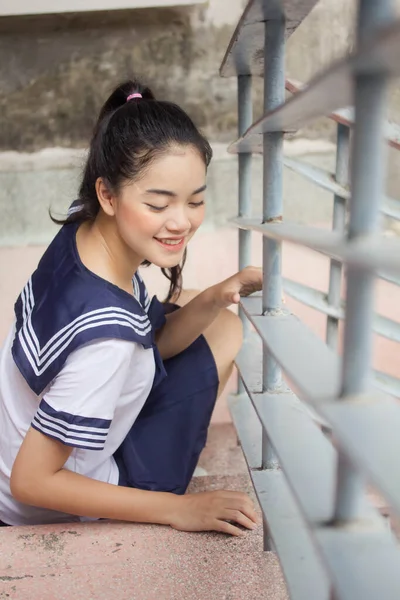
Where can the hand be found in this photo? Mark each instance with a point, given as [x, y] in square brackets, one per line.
[244, 283]
[212, 511]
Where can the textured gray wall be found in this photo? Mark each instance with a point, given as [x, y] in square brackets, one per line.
[56, 70]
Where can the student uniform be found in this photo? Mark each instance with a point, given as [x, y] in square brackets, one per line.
[81, 366]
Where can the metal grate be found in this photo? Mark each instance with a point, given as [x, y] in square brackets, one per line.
[331, 542]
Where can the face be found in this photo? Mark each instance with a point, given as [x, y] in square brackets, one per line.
[158, 215]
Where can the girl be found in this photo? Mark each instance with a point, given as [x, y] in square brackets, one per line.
[106, 396]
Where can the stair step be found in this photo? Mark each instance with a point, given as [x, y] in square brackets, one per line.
[222, 454]
[114, 560]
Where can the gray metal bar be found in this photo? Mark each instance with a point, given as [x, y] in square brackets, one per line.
[318, 300]
[371, 17]
[345, 116]
[329, 91]
[245, 118]
[328, 182]
[274, 94]
[366, 182]
[249, 365]
[309, 364]
[371, 252]
[367, 428]
[302, 567]
[339, 222]
[387, 383]
[242, 56]
[305, 453]
[367, 177]
[363, 564]
[248, 428]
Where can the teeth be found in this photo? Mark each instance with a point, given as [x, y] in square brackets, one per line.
[171, 242]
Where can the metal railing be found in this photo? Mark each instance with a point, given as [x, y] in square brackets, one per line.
[42, 7]
[332, 543]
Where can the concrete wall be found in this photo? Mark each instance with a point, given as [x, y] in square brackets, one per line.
[56, 70]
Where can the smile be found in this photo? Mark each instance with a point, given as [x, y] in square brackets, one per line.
[173, 245]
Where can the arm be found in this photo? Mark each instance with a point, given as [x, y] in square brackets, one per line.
[38, 479]
[183, 326]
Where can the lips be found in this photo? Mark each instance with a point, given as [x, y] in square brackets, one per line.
[171, 244]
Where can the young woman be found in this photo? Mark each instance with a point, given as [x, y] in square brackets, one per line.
[106, 396]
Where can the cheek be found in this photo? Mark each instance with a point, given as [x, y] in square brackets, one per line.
[137, 221]
[198, 217]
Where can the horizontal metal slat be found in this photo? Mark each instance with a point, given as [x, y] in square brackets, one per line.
[304, 573]
[244, 55]
[345, 116]
[305, 358]
[367, 428]
[330, 91]
[387, 383]
[312, 298]
[318, 176]
[249, 365]
[43, 7]
[371, 252]
[326, 241]
[305, 454]
[300, 563]
[326, 181]
[316, 299]
[364, 565]
[248, 428]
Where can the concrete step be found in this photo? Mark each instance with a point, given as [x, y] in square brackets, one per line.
[222, 454]
[120, 561]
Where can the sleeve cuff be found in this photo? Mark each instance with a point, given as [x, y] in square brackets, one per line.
[72, 430]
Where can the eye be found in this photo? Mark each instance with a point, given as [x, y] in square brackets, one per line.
[196, 204]
[156, 208]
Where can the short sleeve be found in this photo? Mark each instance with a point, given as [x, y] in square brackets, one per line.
[79, 405]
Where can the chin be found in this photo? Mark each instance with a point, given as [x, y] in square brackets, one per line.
[166, 262]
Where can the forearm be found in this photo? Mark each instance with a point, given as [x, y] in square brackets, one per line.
[186, 324]
[76, 494]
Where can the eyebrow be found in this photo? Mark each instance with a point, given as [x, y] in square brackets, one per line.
[173, 194]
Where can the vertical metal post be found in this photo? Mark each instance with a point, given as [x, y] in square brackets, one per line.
[245, 119]
[338, 224]
[367, 187]
[274, 95]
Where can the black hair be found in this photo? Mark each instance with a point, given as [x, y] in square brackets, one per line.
[127, 137]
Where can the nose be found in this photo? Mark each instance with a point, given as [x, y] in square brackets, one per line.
[179, 221]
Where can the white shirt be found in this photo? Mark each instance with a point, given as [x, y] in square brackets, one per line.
[90, 405]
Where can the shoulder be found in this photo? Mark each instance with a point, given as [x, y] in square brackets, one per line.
[63, 307]
[106, 353]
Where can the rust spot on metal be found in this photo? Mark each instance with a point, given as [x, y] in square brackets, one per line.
[277, 219]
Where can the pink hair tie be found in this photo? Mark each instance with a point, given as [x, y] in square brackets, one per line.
[133, 96]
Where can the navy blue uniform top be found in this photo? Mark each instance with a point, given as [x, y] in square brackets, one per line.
[64, 306]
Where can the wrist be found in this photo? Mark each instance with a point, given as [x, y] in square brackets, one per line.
[171, 507]
[213, 296]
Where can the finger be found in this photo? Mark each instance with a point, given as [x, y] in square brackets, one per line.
[239, 517]
[236, 298]
[225, 527]
[247, 508]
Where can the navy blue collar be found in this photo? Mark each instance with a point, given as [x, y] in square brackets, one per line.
[64, 305]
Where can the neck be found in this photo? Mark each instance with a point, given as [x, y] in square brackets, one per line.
[104, 253]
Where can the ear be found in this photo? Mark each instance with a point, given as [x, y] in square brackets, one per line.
[105, 197]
